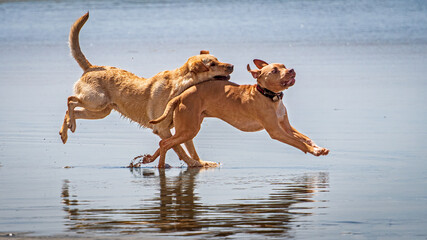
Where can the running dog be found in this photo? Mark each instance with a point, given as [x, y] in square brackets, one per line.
[102, 89]
[247, 107]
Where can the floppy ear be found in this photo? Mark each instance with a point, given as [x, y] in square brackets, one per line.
[198, 67]
[204, 52]
[260, 63]
[255, 73]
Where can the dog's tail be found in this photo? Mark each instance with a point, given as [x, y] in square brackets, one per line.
[170, 107]
[75, 45]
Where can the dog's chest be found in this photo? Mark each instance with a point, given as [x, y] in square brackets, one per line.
[281, 110]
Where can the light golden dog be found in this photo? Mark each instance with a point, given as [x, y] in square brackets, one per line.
[102, 89]
[246, 107]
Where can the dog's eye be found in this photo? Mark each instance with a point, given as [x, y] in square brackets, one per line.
[274, 70]
[213, 64]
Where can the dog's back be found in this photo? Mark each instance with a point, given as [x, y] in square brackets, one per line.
[212, 99]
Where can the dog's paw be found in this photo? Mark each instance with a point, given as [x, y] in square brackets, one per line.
[208, 164]
[64, 136]
[147, 158]
[72, 125]
[164, 166]
[141, 159]
[205, 164]
[325, 151]
[319, 151]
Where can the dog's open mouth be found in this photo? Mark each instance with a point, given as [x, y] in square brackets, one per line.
[219, 77]
[289, 83]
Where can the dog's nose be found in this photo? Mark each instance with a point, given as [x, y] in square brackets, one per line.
[230, 67]
[291, 70]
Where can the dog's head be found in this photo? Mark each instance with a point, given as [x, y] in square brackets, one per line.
[206, 66]
[275, 76]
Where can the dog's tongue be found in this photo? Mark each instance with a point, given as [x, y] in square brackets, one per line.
[291, 82]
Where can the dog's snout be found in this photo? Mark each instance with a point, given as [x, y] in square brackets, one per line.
[230, 68]
[291, 70]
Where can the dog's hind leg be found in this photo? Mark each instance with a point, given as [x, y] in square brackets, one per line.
[94, 106]
[81, 114]
[69, 121]
[184, 133]
[173, 142]
[88, 114]
[189, 145]
[72, 103]
[166, 134]
[192, 150]
[64, 129]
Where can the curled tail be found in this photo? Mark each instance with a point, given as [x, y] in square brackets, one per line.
[170, 107]
[75, 45]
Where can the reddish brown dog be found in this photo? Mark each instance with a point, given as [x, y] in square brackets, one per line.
[246, 107]
[102, 89]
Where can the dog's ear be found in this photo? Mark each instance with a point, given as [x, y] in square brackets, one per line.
[204, 52]
[260, 63]
[198, 67]
[255, 73]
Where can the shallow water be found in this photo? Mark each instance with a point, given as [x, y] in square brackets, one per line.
[360, 91]
[270, 206]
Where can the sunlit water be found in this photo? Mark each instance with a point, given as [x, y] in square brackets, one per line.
[360, 91]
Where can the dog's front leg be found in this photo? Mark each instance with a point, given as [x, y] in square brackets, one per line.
[277, 132]
[323, 151]
[284, 137]
[284, 123]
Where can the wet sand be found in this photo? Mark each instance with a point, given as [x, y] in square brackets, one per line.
[363, 101]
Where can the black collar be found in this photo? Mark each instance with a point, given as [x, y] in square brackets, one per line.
[270, 94]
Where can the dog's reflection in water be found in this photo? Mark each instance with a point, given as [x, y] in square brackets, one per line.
[177, 208]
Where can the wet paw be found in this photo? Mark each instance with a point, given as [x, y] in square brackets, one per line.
[141, 159]
[208, 164]
[164, 166]
[202, 163]
[147, 158]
